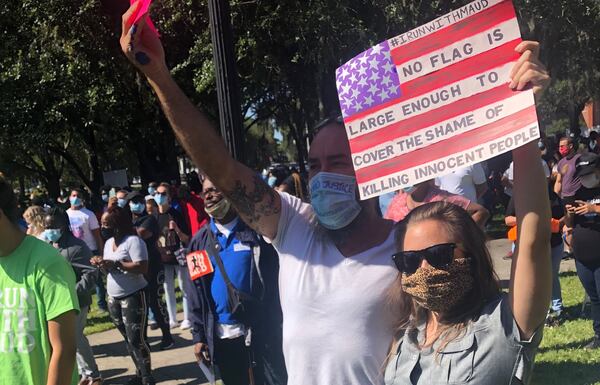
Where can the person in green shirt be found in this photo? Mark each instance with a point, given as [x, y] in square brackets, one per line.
[38, 305]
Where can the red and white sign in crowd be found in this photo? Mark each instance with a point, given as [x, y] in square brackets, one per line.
[435, 99]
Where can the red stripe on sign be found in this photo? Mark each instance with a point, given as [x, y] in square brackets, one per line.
[452, 74]
[465, 69]
[410, 125]
[464, 29]
[450, 146]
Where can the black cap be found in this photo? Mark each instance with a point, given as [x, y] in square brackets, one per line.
[587, 163]
[134, 194]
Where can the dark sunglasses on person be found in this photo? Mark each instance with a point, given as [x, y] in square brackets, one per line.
[439, 256]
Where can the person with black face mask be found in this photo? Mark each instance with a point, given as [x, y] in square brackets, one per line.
[146, 227]
[172, 238]
[125, 261]
[583, 215]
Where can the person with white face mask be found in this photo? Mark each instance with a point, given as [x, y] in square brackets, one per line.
[584, 217]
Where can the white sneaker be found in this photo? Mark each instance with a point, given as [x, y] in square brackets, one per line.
[173, 325]
[185, 324]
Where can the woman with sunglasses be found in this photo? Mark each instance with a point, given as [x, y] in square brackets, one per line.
[453, 323]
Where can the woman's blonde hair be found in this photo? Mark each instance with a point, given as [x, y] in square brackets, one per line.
[462, 230]
[34, 216]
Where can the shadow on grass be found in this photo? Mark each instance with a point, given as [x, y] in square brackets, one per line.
[554, 373]
[565, 346]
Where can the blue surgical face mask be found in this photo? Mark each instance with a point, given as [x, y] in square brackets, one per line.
[160, 200]
[75, 201]
[137, 208]
[271, 181]
[53, 235]
[151, 190]
[121, 202]
[333, 198]
[105, 197]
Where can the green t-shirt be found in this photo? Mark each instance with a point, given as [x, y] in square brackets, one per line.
[36, 285]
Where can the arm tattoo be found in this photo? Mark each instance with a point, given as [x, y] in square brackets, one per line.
[259, 202]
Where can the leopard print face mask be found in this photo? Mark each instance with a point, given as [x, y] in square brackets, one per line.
[439, 290]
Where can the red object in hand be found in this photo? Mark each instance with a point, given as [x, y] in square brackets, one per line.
[142, 10]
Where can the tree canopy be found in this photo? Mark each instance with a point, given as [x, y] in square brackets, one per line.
[72, 107]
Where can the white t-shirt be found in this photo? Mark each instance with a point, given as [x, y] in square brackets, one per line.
[123, 283]
[509, 173]
[463, 181]
[335, 326]
[83, 222]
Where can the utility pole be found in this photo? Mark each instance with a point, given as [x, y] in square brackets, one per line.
[228, 91]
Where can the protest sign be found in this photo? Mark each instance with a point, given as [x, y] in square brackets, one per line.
[435, 99]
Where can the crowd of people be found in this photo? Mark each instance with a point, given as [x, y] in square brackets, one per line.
[294, 282]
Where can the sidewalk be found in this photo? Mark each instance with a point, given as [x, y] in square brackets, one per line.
[177, 365]
[170, 367]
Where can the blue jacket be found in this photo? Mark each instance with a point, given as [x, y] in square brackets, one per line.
[263, 286]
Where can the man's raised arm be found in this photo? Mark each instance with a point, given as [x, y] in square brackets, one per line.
[258, 205]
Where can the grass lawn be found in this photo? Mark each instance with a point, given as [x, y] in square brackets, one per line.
[561, 360]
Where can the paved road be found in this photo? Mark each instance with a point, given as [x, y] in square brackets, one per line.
[176, 366]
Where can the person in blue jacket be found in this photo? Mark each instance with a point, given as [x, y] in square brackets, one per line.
[246, 347]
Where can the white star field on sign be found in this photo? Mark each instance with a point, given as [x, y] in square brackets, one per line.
[367, 81]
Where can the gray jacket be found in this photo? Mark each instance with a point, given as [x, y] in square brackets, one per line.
[78, 254]
[490, 352]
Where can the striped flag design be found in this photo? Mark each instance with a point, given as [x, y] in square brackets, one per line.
[435, 99]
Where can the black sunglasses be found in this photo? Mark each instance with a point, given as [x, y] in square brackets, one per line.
[439, 256]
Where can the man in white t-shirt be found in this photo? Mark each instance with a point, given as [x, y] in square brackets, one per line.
[84, 224]
[469, 182]
[335, 254]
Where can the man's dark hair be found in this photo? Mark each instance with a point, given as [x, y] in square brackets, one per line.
[168, 187]
[8, 200]
[61, 216]
[332, 117]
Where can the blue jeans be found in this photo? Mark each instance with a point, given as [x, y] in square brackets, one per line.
[101, 293]
[589, 275]
[557, 254]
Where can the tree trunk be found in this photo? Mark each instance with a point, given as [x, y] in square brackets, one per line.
[96, 177]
